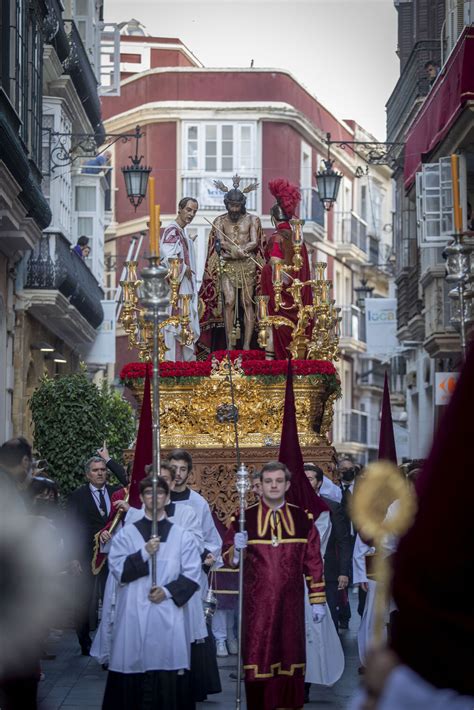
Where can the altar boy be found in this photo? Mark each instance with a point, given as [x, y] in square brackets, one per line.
[150, 651]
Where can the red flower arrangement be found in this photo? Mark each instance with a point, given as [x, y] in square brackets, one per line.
[253, 364]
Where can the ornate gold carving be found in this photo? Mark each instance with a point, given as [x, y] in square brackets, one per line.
[189, 411]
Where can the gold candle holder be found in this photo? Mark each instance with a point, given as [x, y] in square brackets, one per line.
[173, 275]
[320, 269]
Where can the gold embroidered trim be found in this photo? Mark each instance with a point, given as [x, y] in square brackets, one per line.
[281, 542]
[276, 667]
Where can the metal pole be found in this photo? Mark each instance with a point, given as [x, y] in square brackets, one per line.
[243, 487]
[156, 300]
[462, 318]
[156, 435]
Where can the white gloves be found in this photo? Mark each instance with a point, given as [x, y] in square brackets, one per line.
[240, 540]
[319, 612]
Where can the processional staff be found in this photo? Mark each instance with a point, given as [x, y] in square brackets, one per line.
[242, 486]
[156, 300]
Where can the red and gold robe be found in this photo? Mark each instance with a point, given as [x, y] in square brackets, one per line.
[283, 551]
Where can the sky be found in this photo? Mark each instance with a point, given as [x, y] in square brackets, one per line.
[342, 51]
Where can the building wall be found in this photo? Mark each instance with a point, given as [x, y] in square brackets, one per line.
[158, 147]
[30, 365]
[281, 147]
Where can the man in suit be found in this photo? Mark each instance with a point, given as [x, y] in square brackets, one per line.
[89, 507]
[338, 555]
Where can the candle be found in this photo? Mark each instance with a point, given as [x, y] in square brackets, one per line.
[157, 227]
[262, 306]
[152, 224]
[277, 272]
[456, 199]
[185, 305]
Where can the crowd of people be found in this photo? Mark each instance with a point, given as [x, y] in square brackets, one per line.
[157, 635]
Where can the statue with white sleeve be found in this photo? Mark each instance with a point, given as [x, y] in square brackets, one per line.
[175, 242]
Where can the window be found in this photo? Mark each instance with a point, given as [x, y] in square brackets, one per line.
[363, 202]
[192, 147]
[220, 148]
[434, 200]
[85, 226]
[85, 199]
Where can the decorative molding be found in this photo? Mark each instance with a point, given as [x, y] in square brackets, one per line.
[162, 111]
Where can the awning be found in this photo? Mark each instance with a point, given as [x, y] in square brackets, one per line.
[453, 88]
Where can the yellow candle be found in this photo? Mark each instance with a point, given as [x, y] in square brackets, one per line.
[262, 302]
[456, 199]
[151, 203]
[277, 272]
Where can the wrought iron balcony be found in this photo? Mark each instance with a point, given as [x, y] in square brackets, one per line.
[53, 266]
[351, 238]
[352, 338]
[411, 88]
[352, 426]
[311, 207]
[78, 66]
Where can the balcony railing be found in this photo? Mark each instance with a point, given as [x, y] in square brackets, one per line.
[373, 374]
[352, 323]
[78, 66]
[409, 303]
[411, 86]
[53, 266]
[311, 207]
[354, 231]
[209, 196]
[352, 426]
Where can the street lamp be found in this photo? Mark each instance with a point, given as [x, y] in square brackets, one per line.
[328, 181]
[372, 152]
[136, 175]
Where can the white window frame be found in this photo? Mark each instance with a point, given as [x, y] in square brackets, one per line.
[97, 183]
[59, 179]
[237, 152]
[433, 181]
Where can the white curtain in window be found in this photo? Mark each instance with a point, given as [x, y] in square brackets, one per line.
[85, 199]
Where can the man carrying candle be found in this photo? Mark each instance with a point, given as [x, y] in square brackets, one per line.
[279, 255]
[175, 243]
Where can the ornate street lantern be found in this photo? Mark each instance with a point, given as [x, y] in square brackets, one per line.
[328, 181]
[136, 175]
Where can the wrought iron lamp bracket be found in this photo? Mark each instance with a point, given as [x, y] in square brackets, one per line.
[371, 152]
[66, 148]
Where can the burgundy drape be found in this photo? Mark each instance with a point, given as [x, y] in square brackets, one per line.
[144, 445]
[387, 449]
[300, 492]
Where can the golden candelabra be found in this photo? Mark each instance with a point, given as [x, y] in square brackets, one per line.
[133, 318]
[315, 330]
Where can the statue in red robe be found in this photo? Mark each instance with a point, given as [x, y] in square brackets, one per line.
[282, 554]
[279, 248]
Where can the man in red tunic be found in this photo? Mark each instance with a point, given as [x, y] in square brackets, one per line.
[279, 249]
[282, 550]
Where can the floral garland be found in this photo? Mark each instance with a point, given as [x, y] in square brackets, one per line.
[253, 364]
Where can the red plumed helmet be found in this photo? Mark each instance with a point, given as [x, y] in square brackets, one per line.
[287, 195]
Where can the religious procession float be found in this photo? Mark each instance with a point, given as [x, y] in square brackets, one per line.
[223, 351]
